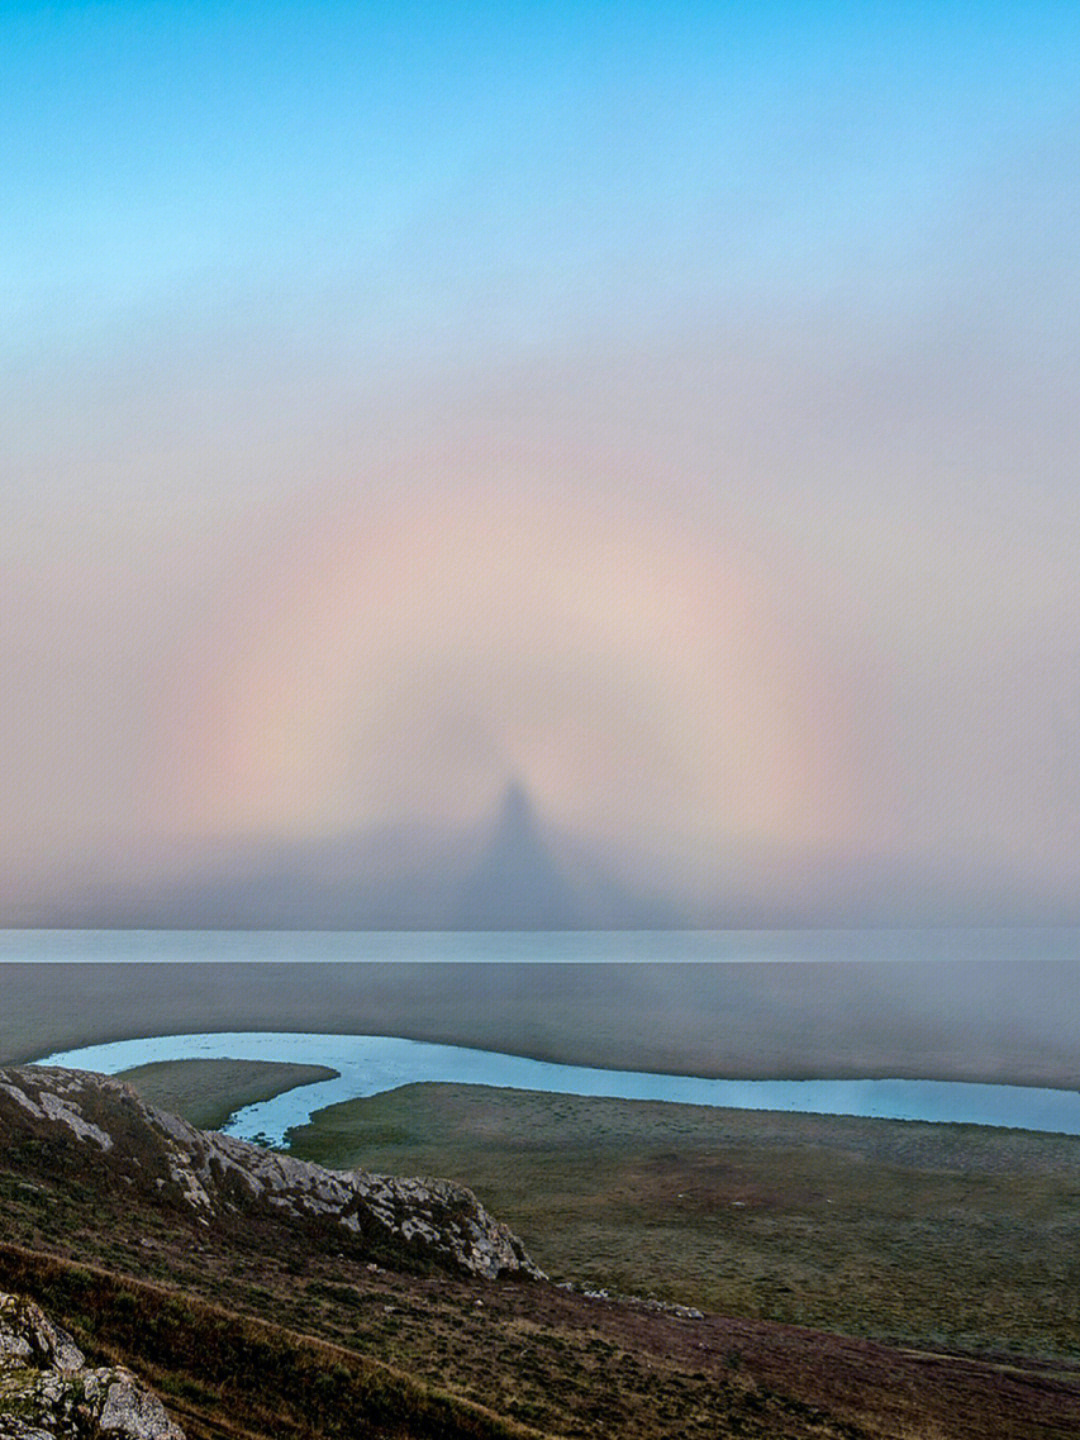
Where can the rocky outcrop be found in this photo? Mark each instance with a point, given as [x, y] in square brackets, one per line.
[48, 1392]
[214, 1176]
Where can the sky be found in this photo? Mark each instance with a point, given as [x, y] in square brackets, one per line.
[671, 411]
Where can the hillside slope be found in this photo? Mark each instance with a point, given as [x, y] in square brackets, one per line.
[218, 1177]
[227, 1279]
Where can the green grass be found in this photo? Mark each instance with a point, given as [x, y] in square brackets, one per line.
[936, 1234]
[207, 1092]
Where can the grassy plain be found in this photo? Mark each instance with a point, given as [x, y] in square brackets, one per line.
[206, 1092]
[942, 1235]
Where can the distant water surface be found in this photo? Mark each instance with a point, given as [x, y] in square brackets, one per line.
[540, 947]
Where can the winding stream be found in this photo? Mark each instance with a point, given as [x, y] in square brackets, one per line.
[371, 1064]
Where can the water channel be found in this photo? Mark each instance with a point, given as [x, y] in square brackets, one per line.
[371, 1064]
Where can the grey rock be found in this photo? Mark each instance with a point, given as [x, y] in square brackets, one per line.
[215, 1175]
[12, 1428]
[48, 1392]
[128, 1410]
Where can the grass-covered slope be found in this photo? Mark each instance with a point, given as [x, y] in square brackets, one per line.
[226, 1374]
[111, 1138]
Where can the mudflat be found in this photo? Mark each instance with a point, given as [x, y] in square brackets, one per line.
[990, 1021]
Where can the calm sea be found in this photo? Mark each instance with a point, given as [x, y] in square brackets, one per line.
[540, 947]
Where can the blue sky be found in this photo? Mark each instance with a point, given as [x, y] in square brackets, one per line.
[771, 302]
[596, 153]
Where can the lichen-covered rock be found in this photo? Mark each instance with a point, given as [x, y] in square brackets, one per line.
[217, 1175]
[48, 1392]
